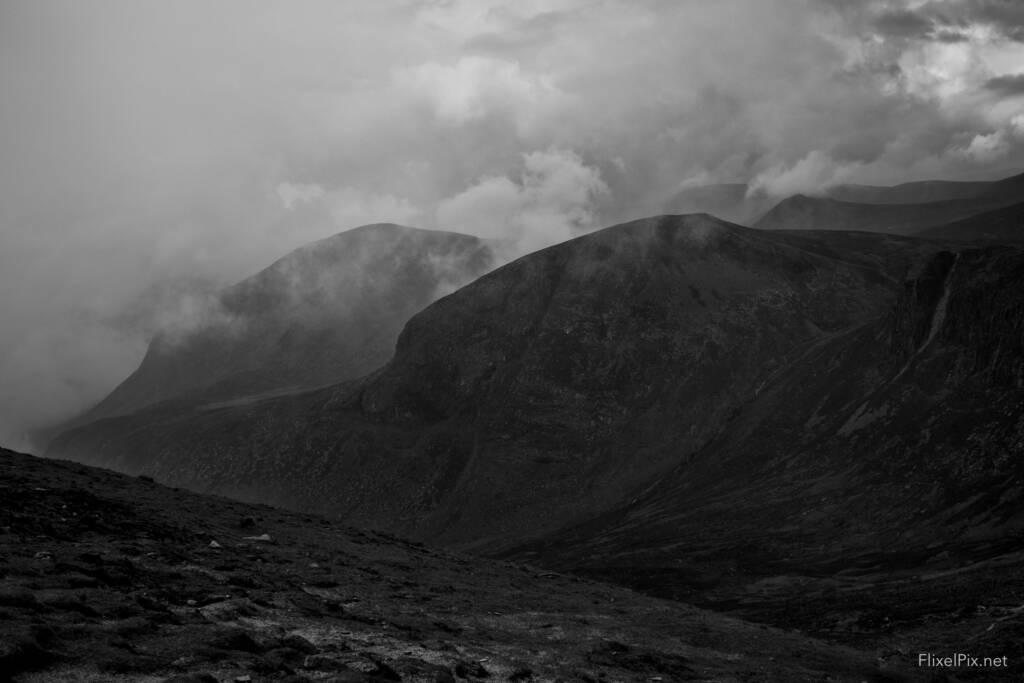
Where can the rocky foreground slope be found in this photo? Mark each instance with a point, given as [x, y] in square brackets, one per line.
[105, 577]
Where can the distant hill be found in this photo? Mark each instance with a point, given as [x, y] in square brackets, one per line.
[920, 192]
[326, 312]
[841, 207]
[892, 211]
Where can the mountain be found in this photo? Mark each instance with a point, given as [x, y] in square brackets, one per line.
[889, 215]
[736, 203]
[801, 212]
[543, 392]
[1002, 225]
[727, 201]
[112, 578]
[817, 430]
[324, 313]
[874, 487]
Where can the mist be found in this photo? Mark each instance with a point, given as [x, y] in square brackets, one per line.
[153, 152]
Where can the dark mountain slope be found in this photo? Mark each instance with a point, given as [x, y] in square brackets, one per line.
[545, 391]
[1002, 225]
[105, 577]
[327, 312]
[879, 479]
[920, 192]
[801, 212]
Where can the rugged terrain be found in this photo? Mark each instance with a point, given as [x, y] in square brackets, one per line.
[105, 577]
[544, 392]
[876, 494]
[814, 430]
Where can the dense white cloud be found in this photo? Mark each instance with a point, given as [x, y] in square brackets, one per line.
[146, 143]
[553, 199]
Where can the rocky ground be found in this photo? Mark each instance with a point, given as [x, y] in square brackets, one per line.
[105, 577]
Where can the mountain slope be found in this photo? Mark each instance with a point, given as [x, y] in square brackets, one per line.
[1002, 225]
[105, 577]
[920, 192]
[324, 313]
[816, 430]
[876, 485]
[543, 392]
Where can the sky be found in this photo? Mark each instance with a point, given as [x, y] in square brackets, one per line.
[150, 150]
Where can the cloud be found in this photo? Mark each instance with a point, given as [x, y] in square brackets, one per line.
[812, 174]
[985, 149]
[292, 194]
[473, 87]
[1010, 85]
[903, 23]
[552, 200]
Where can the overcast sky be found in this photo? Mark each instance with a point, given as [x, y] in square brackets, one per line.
[151, 148]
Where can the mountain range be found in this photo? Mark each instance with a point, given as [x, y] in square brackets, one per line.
[906, 209]
[817, 429]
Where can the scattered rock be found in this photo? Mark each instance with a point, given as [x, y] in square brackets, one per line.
[215, 545]
[466, 668]
[262, 538]
[193, 678]
[419, 671]
[22, 654]
[325, 663]
[521, 674]
[233, 639]
[297, 642]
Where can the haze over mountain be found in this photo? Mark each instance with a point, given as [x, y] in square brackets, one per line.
[327, 312]
[680, 404]
[137, 174]
[593, 366]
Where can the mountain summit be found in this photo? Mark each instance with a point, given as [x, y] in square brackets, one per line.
[327, 312]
